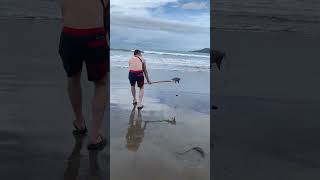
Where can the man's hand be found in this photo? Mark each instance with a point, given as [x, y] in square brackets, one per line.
[149, 82]
[107, 40]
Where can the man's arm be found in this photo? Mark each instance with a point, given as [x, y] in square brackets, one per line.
[108, 39]
[60, 3]
[146, 72]
[106, 18]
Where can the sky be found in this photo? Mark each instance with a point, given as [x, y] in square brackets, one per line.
[176, 25]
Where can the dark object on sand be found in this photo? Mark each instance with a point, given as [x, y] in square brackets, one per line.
[171, 121]
[214, 107]
[216, 57]
[175, 80]
[198, 149]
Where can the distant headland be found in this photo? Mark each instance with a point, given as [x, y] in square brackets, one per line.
[204, 50]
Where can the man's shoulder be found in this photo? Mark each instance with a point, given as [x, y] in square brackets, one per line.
[142, 59]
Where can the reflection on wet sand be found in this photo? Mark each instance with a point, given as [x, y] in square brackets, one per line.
[136, 130]
[151, 143]
[95, 171]
[72, 170]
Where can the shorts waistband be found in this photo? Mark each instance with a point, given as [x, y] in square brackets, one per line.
[82, 32]
[136, 71]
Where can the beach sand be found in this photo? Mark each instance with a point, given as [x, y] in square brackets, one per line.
[36, 138]
[177, 117]
[267, 125]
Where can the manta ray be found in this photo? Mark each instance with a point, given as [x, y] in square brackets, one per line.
[216, 57]
[176, 80]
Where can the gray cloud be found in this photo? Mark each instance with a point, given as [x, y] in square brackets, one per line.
[128, 37]
[156, 24]
[195, 5]
[133, 26]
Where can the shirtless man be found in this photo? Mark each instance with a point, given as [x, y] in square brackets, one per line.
[85, 40]
[137, 71]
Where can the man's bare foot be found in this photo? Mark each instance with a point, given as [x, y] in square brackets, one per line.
[98, 143]
[140, 106]
[96, 140]
[80, 128]
[80, 124]
[134, 102]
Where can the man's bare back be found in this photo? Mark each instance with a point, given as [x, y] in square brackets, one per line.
[82, 14]
[135, 64]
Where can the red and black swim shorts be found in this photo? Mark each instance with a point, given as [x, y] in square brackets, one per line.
[136, 77]
[84, 45]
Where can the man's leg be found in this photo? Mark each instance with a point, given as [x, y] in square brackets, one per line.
[141, 93]
[98, 107]
[133, 91]
[75, 96]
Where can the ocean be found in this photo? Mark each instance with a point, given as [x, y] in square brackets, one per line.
[267, 15]
[165, 60]
[34, 9]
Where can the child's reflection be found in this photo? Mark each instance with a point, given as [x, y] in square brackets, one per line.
[136, 129]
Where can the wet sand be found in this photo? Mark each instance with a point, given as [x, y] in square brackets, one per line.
[36, 139]
[267, 126]
[145, 144]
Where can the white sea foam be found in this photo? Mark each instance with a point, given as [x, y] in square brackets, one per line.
[176, 54]
[178, 61]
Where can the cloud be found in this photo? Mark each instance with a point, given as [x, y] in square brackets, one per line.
[131, 38]
[157, 24]
[140, 3]
[136, 7]
[194, 5]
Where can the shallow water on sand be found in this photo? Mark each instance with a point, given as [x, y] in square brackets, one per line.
[36, 142]
[146, 144]
[267, 125]
[267, 15]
